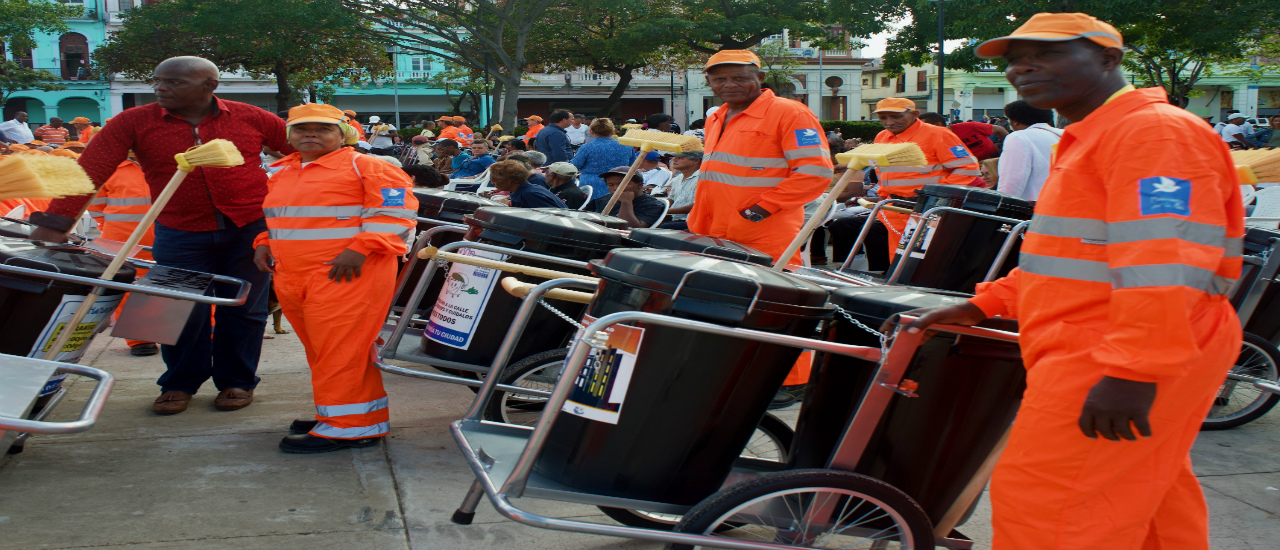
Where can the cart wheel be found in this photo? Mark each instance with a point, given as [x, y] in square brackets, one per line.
[771, 441]
[857, 512]
[538, 371]
[1238, 401]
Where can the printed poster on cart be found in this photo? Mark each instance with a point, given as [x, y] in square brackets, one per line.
[466, 291]
[94, 322]
[601, 386]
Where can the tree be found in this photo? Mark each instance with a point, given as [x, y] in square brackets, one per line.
[16, 78]
[708, 26]
[297, 42]
[778, 63]
[467, 83]
[21, 19]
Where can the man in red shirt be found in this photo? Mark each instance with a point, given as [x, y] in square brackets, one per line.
[975, 135]
[52, 133]
[208, 226]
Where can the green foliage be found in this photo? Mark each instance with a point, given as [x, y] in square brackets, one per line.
[16, 78]
[298, 42]
[711, 25]
[21, 19]
[465, 83]
[778, 63]
[865, 131]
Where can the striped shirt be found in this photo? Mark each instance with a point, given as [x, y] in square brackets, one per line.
[51, 135]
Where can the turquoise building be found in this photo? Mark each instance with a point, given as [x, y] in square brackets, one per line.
[68, 56]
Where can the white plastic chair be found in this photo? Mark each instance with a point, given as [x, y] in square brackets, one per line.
[588, 190]
[481, 179]
[804, 250]
[17, 213]
[1266, 209]
[666, 205]
[1247, 193]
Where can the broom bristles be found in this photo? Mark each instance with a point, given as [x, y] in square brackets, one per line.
[661, 141]
[218, 152]
[893, 154]
[43, 176]
[1265, 163]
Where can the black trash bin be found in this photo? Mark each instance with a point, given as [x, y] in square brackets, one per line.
[473, 313]
[34, 311]
[957, 250]
[692, 399]
[1265, 321]
[612, 222]
[674, 239]
[928, 446]
[448, 207]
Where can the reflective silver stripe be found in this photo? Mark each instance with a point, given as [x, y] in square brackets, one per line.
[959, 162]
[357, 408]
[886, 182]
[313, 212]
[1088, 229]
[95, 214]
[741, 181]
[405, 233]
[1066, 268]
[966, 172]
[111, 217]
[820, 171]
[806, 152]
[739, 160]
[98, 200]
[1199, 278]
[325, 430]
[912, 169]
[1166, 228]
[135, 201]
[393, 212]
[313, 234]
[1235, 247]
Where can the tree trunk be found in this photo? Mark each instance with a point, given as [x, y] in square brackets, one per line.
[511, 95]
[612, 104]
[495, 106]
[283, 92]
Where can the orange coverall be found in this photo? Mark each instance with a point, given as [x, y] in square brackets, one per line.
[533, 132]
[775, 155]
[1135, 241]
[451, 132]
[119, 206]
[33, 205]
[949, 163]
[467, 133]
[341, 201]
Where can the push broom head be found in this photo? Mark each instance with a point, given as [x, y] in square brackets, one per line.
[42, 176]
[215, 153]
[1264, 162]
[653, 140]
[882, 154]
[1247, 177]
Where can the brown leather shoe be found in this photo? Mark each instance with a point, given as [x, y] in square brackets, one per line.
[171, 402]
[233, 399]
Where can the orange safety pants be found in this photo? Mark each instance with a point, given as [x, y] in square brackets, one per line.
[1055, 489]
[338, 323]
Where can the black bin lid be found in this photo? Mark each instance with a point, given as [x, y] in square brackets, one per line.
[450, 206]
[978, 199]
[674, 239]
[716, 279]
[878, 303]
[541, 226]
[612, 222]
[61, 258]
[10, 227]
[1255, 239]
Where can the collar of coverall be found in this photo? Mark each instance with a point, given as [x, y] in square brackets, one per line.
[757, 108]
[1101, 119]
[334, 159]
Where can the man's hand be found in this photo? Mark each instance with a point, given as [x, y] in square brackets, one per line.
[345, 265]
[963, 313]
[1115, 403]
[48, 235]
[263, 259]
[755, 209]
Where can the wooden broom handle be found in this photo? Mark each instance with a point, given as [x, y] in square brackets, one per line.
[889, 207]
[432, 252]
[520, 289]
[617, 193]
[815, 220]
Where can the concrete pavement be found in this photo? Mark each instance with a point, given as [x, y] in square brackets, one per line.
[207, 479]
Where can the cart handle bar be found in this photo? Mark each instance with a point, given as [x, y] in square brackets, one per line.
[162, 292]
[88, 415]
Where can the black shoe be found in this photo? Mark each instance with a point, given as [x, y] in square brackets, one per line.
[310, 444]
[302, 426]
[144, 350]
[787, 396]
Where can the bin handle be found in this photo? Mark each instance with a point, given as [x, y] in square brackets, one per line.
[520, 289]
[88, 415]
[868, 204]
[750, 307]
[141, 289]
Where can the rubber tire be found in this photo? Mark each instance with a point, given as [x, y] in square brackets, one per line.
[701, 517]
[1269, 400]
[773, 427]
[493, 410]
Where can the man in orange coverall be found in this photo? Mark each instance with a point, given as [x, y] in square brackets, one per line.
[1125, 329]
[336, 221]
[949, 162]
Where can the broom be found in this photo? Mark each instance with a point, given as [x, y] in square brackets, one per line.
[215, 153]
[1264, 162]
[874, 154]
[43, 176]
[650, 140]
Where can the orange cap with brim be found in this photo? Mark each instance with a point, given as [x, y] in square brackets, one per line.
[445, 118]
[349, 113]
[80, 120]
[73, 144]
[534, 117]
[895, 105]
[1055, 27]
[732, 57]
[19, 147]
[459, 119]
[314, 112]
[64, 153]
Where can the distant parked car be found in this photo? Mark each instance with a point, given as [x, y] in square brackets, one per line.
[1259, 123]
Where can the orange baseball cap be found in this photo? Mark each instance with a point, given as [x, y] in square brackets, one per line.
[35, 142]
[1055, 27]
[73, 144]
[732, 57]
[19, 147]
[80, 120]
[459, 119]
[895, 105]
[314, 112]
[349, 113]
[65, 153]
[444, 117]
[534, 117]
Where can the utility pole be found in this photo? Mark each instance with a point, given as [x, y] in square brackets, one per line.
[942, 55]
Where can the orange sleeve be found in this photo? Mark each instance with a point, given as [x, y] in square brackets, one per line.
[999, 297]
[956, 159]
[390, 212]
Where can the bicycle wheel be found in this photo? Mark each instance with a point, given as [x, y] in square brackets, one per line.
[539, 372]
[813, 509]
[1239, 402]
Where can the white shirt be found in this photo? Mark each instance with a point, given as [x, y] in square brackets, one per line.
[17, 131]
[577, 136]
[658, 177]
[1024, 164]
[1231, 130]
[683, 190]
[381, 141]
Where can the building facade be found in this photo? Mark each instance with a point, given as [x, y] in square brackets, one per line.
[66, 55]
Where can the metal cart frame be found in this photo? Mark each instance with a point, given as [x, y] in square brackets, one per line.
[502, 456]
[88, 415]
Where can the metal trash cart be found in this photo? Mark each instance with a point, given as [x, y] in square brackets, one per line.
[503, 456]
[23, 378]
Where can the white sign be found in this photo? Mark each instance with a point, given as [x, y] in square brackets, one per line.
[466, 291]
[601, 385]
[71, 351]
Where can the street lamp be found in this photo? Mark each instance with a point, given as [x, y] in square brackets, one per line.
[942, 54]
[395, 79]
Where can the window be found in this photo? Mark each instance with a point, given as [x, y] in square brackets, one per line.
[922, 81]
[77, 2]
[126, 5]
[420, 64]
[884, 82]
[866, 82]
[902, 83]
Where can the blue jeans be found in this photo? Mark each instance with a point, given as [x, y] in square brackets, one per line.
[230, 357]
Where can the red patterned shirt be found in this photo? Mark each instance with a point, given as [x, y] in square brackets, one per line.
[51, 135]
[156, 136]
